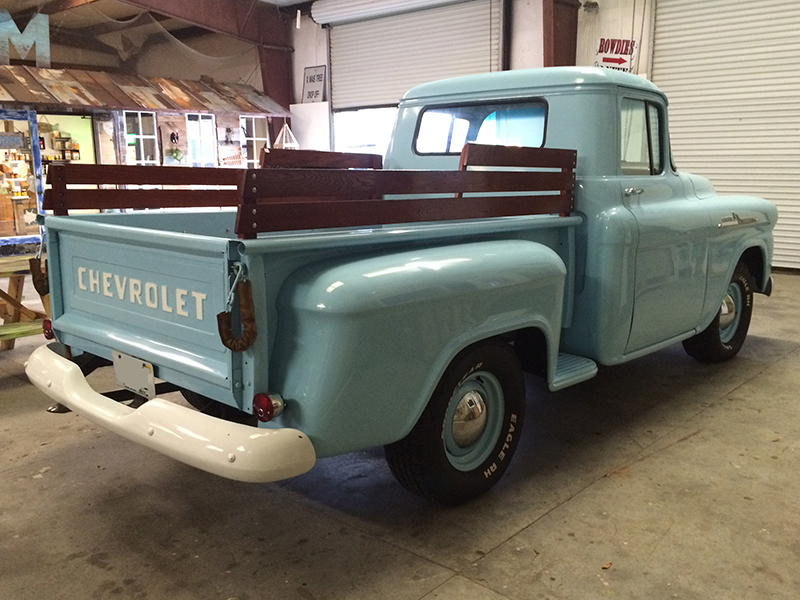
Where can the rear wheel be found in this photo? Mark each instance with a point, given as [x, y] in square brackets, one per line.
[724, 337]
[466, 436]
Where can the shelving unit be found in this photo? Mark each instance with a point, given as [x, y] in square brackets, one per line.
[20, 178]
[15, 201]
[67, 149]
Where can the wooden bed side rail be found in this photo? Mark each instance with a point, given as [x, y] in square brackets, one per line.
[292, 199]
[280, 199]
[483, 156]
[61, 198]
[261, 185]
[314, 213]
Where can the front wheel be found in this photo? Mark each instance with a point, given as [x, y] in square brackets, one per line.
[466, 436]
[724, 337]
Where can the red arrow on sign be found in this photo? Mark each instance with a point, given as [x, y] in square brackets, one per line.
[617, 60]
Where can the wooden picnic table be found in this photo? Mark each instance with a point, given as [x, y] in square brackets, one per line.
[18, 320]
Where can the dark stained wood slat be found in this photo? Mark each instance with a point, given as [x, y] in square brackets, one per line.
[104, 199]
[506, 156]
[360, 213]
[144, 175]
[265, 183]
[318, 159]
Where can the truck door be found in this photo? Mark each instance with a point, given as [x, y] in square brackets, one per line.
[671, 254]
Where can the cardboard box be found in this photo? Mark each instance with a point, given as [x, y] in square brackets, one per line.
[7, 224]
[25, 215]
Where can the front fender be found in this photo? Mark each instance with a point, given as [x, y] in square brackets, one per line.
[362, 343]
[744, 231]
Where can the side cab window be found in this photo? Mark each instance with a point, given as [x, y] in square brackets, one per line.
[641, 138]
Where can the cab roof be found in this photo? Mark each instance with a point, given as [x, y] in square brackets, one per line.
[530, 79]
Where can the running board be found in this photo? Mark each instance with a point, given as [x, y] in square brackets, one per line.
[570, 370]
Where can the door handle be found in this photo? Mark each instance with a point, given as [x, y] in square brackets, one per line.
[633, 191]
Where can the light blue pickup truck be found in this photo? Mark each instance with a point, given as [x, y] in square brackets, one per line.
[336, 309]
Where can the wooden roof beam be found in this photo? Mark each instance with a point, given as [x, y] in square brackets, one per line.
[50, 8]
[247, 20]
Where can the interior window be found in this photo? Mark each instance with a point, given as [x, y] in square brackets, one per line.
[640, 134]
[141, 144]
[202, 140]
[445, 129]
[255, 137]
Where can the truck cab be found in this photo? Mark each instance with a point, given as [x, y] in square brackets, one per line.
[663, 237]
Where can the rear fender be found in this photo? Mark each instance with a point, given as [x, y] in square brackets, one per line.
[362, 344]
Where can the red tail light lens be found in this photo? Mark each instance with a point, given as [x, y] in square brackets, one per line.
[267, 406]
[47, 330]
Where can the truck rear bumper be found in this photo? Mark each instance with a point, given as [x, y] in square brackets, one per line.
[231, 450]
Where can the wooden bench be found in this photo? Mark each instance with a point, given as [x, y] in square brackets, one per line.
[295, 198]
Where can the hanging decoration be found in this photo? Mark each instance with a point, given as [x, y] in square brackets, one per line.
[286, 139]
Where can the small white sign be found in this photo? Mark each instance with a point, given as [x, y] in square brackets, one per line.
[617, 54]
[314, 84]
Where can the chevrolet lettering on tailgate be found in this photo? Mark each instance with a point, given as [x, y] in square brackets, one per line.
[182, 302]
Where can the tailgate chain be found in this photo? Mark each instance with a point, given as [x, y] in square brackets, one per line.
[242, 289]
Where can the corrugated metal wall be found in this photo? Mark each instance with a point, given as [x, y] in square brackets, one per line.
[373, 63]
[729, 68]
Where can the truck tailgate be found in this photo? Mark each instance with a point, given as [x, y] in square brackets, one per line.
[150, 294]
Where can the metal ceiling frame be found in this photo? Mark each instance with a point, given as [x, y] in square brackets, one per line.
[251, 21]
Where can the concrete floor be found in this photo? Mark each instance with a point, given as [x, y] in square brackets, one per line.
[661, 478]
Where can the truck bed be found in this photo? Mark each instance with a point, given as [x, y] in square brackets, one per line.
[150, 282]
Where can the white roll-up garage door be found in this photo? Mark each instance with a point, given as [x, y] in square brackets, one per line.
[729, 68]
[373, 63]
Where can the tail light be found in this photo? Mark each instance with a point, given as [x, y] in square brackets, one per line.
[47, 330]
[267, 406]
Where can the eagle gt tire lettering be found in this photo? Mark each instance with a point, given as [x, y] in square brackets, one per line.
[468, 432]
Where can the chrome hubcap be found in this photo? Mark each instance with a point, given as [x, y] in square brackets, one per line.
[727, 312]
[469, 420]
[473, 420]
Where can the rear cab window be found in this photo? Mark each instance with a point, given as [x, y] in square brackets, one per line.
[446, 129]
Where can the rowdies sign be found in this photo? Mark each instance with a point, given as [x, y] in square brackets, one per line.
[616, 54]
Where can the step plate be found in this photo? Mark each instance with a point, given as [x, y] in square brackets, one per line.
[570, 370]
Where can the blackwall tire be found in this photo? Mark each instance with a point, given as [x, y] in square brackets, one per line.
[724, 337]
[467, 434]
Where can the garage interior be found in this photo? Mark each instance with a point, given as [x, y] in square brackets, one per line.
[659, 478]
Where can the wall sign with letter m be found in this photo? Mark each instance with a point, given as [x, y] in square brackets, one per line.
[37, 32]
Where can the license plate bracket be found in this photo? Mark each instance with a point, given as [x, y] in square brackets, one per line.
[134, 374]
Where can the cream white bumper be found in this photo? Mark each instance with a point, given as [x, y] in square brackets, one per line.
[231, 450]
